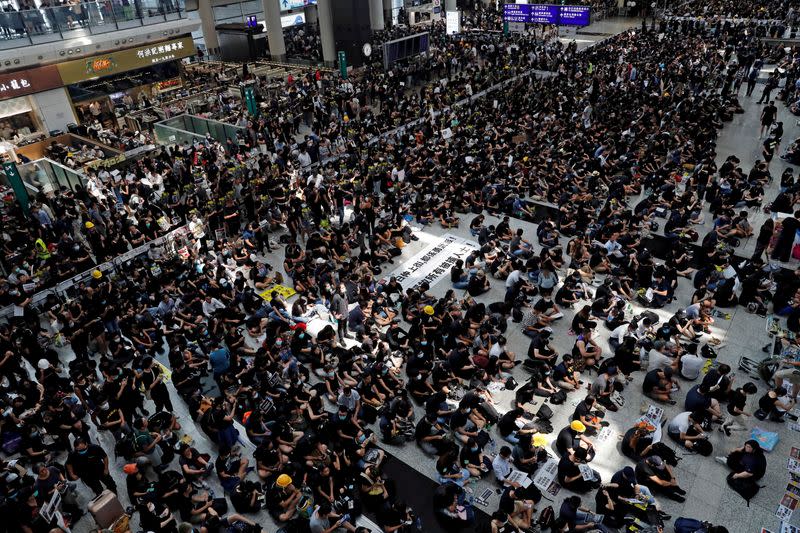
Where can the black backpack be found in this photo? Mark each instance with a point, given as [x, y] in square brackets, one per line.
[703, 447]
[547, 517]
[708, 352]
[544, 412]
[125, 447]
[543, 426]
[558, 397]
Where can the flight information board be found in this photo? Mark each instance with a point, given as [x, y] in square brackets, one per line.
[547, 14]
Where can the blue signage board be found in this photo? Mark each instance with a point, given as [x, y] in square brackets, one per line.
[574, 15]
[531, 13]
[547, 14]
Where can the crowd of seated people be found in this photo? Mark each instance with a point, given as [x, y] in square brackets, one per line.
[296, 423]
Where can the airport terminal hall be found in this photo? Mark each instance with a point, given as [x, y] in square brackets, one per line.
[399, 266]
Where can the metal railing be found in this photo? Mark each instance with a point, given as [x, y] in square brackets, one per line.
[192, 128]
[78, 19]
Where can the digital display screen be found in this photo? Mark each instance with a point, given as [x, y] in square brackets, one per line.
[547, 14]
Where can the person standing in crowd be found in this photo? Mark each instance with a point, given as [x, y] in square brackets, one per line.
[89, 463]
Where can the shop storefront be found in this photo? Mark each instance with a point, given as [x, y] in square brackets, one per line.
[20, 116]
[105, 87]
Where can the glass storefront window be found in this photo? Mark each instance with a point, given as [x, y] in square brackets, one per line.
[19, 119]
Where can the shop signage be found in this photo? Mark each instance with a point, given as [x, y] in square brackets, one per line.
[124, 60]
[169, 84]
[100, 65]
[105, 163]
[22, 82]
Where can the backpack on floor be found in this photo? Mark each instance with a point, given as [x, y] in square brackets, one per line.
[650, 315]
[689, 525]
[547, 517]
[703, 447]
[544, 412]
[708, 352]
[665, 452]
[558, 397]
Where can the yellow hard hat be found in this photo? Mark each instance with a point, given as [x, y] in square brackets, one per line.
[89, 225]
[283, 481]
[428, 310]
[577, 425]
[96, 274]
[539, 441]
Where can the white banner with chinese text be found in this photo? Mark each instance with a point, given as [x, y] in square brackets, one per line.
[434, 262]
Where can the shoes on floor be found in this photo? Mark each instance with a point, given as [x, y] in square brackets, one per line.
[721, 460]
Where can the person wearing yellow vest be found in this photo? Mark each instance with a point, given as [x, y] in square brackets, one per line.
[41, 249]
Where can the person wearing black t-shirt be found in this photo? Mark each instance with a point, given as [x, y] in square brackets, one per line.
[657, 475]
[583, 413]
[737, 401]
[569, 473]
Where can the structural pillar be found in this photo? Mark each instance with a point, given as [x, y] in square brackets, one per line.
[388, 19]
[310, 12]
[325, 19]
[376, 15]
[272, 17]
[207, 23]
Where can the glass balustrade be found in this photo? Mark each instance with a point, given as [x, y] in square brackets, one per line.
[79, 19]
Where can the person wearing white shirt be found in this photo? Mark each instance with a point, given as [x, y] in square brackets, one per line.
[304, 158]
[613, 247]
[211, 306]
[501, 465]
[513, 278]
[659, 359]
[691, 364]
[619, 333]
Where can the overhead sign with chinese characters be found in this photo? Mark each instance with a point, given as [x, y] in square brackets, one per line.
[547, 14]
[22, 82]
[124, 60]
[574, 16]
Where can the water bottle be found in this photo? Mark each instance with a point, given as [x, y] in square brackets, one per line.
[492, 447]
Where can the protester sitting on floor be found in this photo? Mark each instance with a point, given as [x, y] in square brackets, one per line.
[572, 437]
[687, 430]
[659, 385]
[654, 473]
[774, 405]
[570, 475]
[748, 465]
